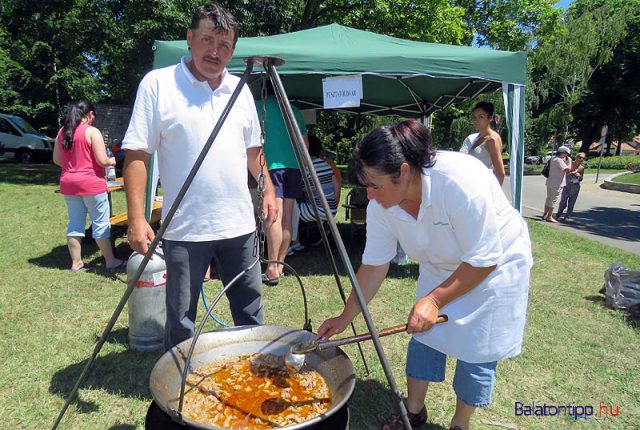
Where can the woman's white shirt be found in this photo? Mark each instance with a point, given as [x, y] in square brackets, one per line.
[480, 151]
[464, 217]
[557, 176]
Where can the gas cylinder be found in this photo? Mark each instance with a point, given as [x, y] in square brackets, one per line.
[147, 308]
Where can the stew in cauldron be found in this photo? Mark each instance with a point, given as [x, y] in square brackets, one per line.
[254, 392]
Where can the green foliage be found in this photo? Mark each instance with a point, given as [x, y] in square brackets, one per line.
[613, 89]
[451, 125]
[428, 21]
[433, 21]
[563, 64]
[128, 37]
[512, 25]
[55, 56]
[52, 53]
[618, 162]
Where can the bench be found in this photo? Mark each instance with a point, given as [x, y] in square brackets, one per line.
[120, 222]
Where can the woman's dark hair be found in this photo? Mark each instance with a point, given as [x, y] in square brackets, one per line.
[315, 146]
[387, 147]
[490, 110]
[221, 18]
[74, 117]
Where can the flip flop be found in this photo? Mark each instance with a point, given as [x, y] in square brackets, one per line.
[78, 270]
[269, 282]
[117, 269]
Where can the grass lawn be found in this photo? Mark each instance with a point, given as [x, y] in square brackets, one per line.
[633, 178]
[576, 350]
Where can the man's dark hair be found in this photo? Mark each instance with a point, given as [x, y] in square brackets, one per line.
[221, 18]
[315, 146]
[386, 148]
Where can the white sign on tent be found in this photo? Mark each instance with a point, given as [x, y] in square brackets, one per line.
[342, 91]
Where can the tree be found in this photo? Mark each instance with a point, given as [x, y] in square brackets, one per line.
[613, 95]
[51, 50]
[432, 21]
[128, 35]
[512, 25]
[564, 64]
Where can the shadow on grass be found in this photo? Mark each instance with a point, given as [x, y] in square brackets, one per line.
[314, 261]
[117, 337]
[372, 402]
[125, 374]
[632, 315]
[614, 223]
[58, 258]
[12, 172]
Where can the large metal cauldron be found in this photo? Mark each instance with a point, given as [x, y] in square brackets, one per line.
[333, 364]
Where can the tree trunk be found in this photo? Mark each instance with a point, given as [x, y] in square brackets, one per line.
[586, 133]
[619, 148]
[565, 133]
[309, 15]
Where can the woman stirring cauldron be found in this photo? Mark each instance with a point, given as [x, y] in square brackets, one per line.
[450, 215]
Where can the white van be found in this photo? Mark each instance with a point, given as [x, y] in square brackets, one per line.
[21, 141]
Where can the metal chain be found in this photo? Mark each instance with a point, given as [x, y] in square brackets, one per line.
[259, 243]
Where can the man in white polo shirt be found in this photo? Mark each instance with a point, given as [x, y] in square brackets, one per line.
[174, 113]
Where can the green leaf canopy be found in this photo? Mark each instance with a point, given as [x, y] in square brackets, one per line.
[400, 77]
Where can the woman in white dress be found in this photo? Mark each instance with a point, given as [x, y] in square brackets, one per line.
[486, 144]
[474, 253]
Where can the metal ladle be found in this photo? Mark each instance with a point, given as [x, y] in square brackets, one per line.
[294, 360]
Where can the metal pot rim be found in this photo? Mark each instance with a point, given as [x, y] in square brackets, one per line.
[333, 364]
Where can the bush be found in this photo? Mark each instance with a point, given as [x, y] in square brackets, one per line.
[622, 162]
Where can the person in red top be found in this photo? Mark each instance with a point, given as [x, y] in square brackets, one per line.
[80, 152]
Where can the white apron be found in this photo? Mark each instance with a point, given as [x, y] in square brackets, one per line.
[464, 217]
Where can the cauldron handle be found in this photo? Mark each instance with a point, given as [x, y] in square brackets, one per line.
[307, 321]
[176, 415]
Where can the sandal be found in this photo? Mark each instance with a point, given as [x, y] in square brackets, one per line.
[118, 268]
[394, 421]
[269, 282]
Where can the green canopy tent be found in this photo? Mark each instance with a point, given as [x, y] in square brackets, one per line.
[407, 78]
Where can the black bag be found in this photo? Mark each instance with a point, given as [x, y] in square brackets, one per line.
[545, 169]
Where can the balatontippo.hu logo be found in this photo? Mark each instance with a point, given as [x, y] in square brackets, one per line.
[543, 409]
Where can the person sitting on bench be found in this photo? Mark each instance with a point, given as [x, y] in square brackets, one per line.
[330, 187]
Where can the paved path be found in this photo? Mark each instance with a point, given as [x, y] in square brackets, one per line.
[611, 217]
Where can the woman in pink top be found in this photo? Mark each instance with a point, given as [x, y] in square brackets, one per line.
[80, 152]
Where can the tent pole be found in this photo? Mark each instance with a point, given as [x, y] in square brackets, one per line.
[290, 123]
[514, 107]
[294, 131]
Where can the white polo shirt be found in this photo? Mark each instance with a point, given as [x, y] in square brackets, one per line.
[464, 217]
[174, 113]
